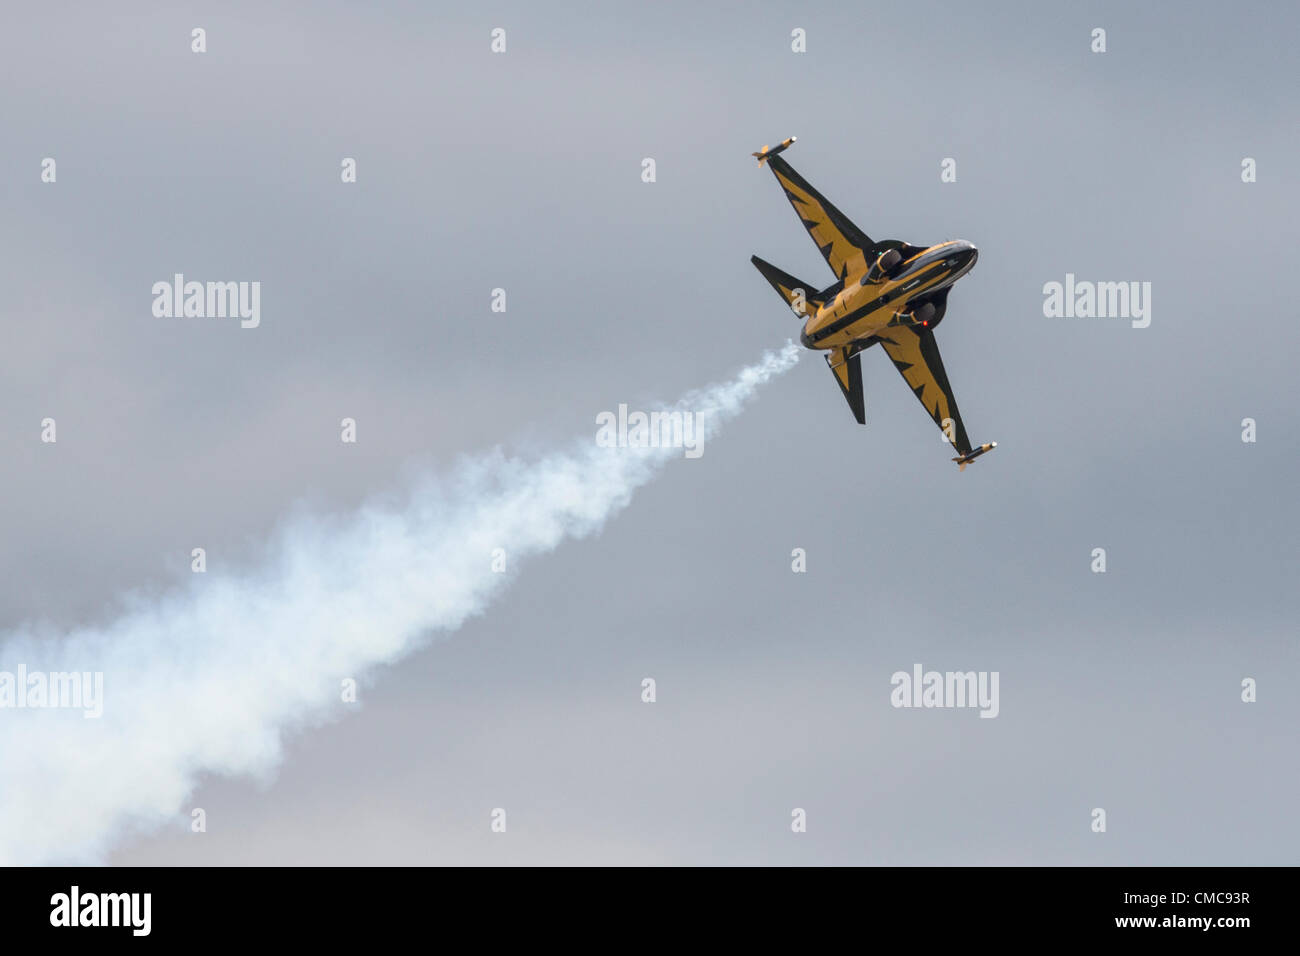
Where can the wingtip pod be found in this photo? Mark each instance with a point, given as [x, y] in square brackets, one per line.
[767, 152]
[964, 460]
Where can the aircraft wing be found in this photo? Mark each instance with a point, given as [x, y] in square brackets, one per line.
[845, 247]
[915, 354]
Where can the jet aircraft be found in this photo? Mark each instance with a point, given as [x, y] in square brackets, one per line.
[886, 292]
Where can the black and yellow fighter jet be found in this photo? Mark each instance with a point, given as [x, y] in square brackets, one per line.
[886, 292]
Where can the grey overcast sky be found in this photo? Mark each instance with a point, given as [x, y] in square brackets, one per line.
[522, 171]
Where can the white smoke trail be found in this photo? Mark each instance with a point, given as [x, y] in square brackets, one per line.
[209, 679]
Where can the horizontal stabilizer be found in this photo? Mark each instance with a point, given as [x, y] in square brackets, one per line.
[802, 298]
[846, 365]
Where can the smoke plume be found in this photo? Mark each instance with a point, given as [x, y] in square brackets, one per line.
[211, 678]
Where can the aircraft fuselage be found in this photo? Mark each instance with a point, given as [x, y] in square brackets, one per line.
[862, 308]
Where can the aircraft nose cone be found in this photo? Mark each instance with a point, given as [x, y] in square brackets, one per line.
[965, 255]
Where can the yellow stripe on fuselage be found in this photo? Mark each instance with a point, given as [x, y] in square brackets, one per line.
[860, 311]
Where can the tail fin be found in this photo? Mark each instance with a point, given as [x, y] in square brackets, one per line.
[802, 298]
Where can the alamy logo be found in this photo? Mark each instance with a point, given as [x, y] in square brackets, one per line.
[208, 300]
[1102, 300]
[103, 909]
[676, 429]
[71, 690]
[947, 689]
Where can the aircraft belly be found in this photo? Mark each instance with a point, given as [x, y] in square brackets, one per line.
[865, 327]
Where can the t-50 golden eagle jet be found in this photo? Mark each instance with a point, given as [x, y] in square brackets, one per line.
[887, 292]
